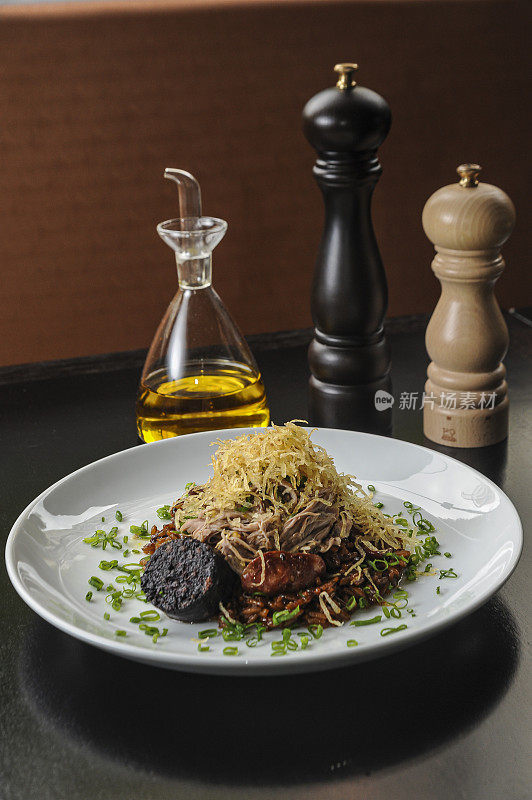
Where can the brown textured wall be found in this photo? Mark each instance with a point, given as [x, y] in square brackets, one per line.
[95, 102]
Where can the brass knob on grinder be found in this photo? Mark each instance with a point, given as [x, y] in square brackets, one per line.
[345, 79]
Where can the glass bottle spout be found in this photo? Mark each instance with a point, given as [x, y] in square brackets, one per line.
[188, 189]
[191, 236]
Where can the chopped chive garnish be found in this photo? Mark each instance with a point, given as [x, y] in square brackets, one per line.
[120, 633]
[96, 582]
[372, 621]
[119, 516]
[447, 573]
[136, 620]
[88, 597]
[150, 616]
[447, 555]
[149, 630]
[351, 603]
[136, 530]
[102, 539]
[230, 651]
[315, 631]
[371, 488]
[203, 648]
[352, 643]
[387, 631]
[284, 616]
[438, 589]
[411, 507]
[208, 633]
[401, 594]
[378, 505]
[278, 648]
[374, 564]
[386, 612]
[132, 566]
[107, 565]
[259, 630]
[164, 512]
[422, 523]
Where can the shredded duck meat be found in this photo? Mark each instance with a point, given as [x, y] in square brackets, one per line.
[277, 490]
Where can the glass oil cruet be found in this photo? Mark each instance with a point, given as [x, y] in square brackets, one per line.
[199, 373]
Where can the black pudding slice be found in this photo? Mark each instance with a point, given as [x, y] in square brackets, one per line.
[187, 580]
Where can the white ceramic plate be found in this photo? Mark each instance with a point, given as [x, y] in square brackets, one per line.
[49, 564]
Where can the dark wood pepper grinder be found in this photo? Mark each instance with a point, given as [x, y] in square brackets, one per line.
[349, 357]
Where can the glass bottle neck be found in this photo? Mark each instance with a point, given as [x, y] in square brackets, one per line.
[194, 273]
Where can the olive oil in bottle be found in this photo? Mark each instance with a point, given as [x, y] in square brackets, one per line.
[199, 373]
[223, 396]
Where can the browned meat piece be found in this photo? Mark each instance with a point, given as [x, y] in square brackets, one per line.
[282, 572]
[313, 523]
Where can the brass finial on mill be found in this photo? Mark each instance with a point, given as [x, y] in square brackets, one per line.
[469, 175]
[345, 72]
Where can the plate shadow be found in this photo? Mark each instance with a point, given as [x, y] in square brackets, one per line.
[278, 730]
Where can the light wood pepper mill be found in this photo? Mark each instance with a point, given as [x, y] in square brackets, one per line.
[466, 394]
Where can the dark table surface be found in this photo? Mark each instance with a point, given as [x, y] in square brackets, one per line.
[444, 719]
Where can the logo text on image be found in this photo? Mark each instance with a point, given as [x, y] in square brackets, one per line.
[383, 400]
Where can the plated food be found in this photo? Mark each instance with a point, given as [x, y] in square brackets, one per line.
[277, 536]
[56, 561]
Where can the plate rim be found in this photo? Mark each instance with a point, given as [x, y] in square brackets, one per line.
[291, 664]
